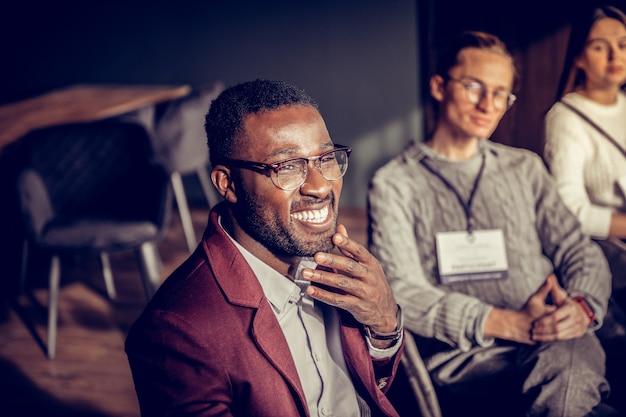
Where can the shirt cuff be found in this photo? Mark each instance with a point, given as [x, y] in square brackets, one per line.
[481, 340]
[386, 353]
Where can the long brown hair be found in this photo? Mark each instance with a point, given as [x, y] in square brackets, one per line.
[572, 77]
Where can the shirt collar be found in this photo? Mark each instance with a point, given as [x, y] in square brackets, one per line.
[278, 289]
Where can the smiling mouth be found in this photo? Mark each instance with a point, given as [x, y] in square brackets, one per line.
[481, 121]
[312, 216]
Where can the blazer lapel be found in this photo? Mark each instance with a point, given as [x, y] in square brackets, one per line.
[242, 288]
[271, 341]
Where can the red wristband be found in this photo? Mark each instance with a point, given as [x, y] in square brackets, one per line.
[588, 311]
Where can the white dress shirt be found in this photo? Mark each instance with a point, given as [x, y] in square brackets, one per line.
[311, 329]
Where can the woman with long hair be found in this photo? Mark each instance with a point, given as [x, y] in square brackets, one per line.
[585, 145]
[585, 151]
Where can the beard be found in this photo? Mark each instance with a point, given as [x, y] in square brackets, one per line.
[284, 240]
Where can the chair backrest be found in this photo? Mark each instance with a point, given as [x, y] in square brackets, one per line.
[98, 169]
[178, 133]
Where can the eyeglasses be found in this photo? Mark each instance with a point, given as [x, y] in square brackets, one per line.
[476, 92]
[289, 174]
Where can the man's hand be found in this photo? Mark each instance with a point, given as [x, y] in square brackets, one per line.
[567, 321]
[360, 284]
[538, 321]
[517, 325]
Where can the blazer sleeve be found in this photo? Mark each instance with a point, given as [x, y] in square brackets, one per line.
[372, 377]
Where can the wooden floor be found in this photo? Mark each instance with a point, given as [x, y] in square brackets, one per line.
[90, 376]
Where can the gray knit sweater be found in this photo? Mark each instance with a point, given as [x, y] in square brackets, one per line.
[408, 205]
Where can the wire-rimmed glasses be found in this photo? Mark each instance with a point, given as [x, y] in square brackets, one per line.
[477, 91]
[289, 174]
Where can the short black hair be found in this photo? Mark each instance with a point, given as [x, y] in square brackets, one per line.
[224, 121]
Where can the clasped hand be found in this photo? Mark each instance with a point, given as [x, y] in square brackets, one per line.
[356, 283]
[563, 319]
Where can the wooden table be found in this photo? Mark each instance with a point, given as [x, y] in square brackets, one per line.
[79, 103]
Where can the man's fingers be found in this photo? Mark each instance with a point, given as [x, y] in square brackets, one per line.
[345, 264]
[546, 287]
[329, 279]
[342, 230]
[564, 323]
[343, 301]
[559, 295]
[350, 249]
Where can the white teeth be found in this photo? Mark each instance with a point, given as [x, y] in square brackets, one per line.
[312, 216]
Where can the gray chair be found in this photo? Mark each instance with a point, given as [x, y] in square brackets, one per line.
[180, 145]
[91, 189]
[419, 378]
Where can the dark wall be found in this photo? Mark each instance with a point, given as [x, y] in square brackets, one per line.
[358, 58]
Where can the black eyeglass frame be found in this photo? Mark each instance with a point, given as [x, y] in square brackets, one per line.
[267, 169]
[510, 99]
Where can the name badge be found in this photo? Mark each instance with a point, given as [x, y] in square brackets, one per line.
[466, 257]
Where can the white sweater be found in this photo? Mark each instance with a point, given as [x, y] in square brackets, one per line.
[585, 164]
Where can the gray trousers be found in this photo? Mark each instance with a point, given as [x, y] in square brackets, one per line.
[560, 379]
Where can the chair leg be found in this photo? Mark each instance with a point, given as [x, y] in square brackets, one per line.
[53, 304]
[183, 210]
[151, 266]
[207, 186]
[107, 272]
[419, 378]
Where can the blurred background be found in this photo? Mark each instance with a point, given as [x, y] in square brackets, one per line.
[365, 61]
[359, 59]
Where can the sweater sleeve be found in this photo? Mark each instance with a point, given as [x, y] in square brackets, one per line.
[567, 151]
[578, 261]
[451, 317]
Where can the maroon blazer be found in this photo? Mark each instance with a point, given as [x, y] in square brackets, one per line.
[209, 344]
